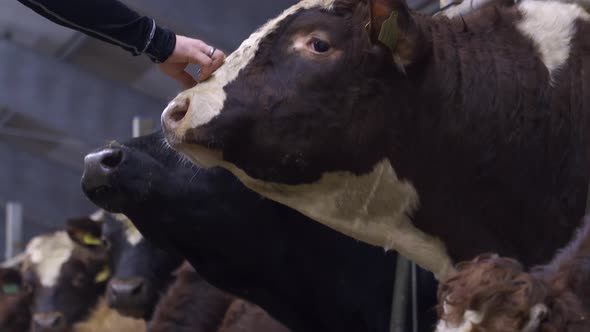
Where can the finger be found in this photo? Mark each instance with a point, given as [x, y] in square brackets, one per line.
[185, 79]
[180, 75]
[217, 60]
[200, 58]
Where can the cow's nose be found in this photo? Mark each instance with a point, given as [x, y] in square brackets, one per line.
[51, 321]
[126, 288]
[174, 114]
[98, 166]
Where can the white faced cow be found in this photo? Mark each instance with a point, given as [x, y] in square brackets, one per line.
[426, 135]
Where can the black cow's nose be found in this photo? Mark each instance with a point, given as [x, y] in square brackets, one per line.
[99, 165]
[126, 288]
[107, 159]
[51, 321]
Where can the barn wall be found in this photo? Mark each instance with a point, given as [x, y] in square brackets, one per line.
[89, 109]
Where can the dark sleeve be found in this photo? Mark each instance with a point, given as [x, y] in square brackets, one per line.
[110, 21]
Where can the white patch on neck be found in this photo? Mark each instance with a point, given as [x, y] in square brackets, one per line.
[132, 234]
[551, 26]
[206, 99]
[536, 315]
[373, 208]
[98, 215]
[471, 318]
[47, 254]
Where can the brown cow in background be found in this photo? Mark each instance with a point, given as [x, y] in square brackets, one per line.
[192, 304]
[496, 294]
[68, 272]
[15, 301]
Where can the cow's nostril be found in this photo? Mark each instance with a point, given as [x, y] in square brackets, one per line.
[175, 113]
[49, 320]
[126, 288]
[112, 159]
[177, 116]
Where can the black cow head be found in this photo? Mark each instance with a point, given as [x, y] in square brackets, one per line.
[236, 239]
[68, 272]
[315, 90]
[15, 301]
[141, 271]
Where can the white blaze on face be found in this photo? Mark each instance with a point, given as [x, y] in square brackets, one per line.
[47, 254]
[551, 26]
[206, 99]
[132, 234]
[98, 216]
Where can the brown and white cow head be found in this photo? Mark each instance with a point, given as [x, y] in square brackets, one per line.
[302, 114]
[295, 100]
[68, 272]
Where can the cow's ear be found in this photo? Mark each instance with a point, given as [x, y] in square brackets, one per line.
[391, 25]
[85, 231]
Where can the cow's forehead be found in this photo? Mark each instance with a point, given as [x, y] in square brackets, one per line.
[247, 50]
[211, 95]
[47, 254]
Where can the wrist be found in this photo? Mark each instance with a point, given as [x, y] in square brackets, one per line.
[162, 45]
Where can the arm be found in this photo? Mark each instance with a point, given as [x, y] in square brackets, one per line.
[109, 21]
[113, 22]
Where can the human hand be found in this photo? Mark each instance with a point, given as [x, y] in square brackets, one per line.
[187, 51]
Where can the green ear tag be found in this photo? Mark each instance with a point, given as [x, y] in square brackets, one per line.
[90, 240]
[10, 289]
[103, 275]
[389, 33]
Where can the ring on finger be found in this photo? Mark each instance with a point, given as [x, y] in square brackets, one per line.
[212, 51]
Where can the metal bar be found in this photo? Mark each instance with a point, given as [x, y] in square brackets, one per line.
[414, 297]
[14, 230]
[143, 126]
[400, 295]
[30, 134]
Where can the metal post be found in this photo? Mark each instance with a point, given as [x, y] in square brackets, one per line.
[14, 230]
[400, 295]
[142, 126]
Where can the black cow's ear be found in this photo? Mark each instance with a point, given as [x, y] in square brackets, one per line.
[392, 25]
[85, 231]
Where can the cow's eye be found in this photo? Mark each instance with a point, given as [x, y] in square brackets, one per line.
[320, 46]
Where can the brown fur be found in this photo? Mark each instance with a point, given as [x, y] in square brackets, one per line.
[191, 304]
[15, 314]
[243, 316]
[504, 292]
[492, 142]
[104, 319]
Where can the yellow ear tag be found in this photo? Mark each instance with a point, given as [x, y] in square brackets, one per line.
[90, 240]
[103, 275]
[389, 33]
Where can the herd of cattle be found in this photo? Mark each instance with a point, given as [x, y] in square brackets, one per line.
[339, 129]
